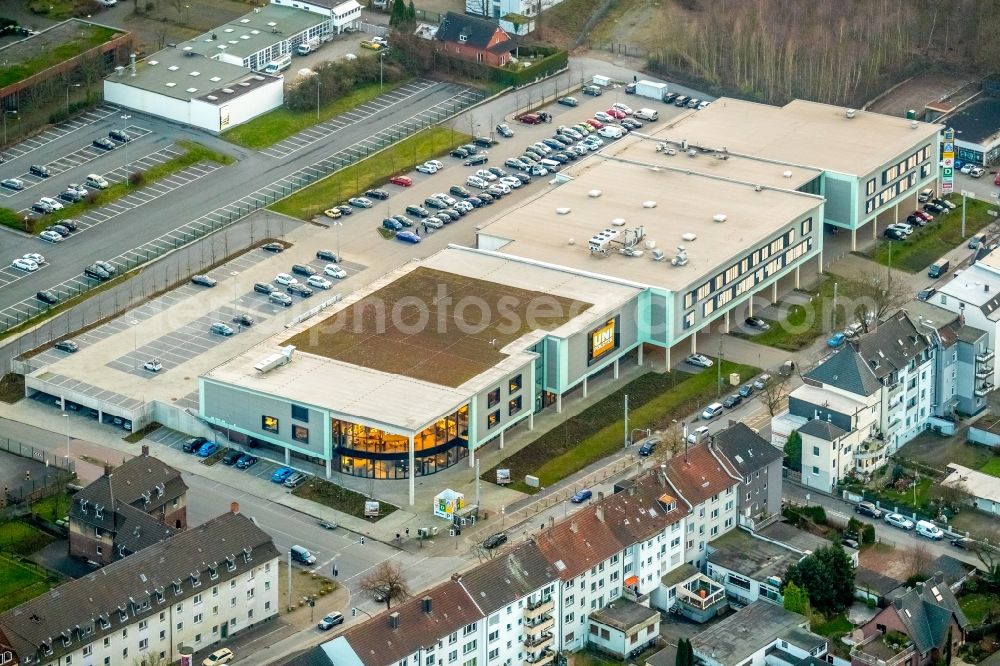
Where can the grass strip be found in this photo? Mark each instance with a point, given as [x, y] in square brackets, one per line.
[336, 497]
[272, 127]
[139, 435]
[20, 582]
[598, 431]
[371, 171]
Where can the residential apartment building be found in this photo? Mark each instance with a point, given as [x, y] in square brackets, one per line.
[196, 588]
[974, 293]
[130, 507]
[759, 464]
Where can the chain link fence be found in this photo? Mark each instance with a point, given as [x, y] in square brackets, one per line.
[226, 215]
[58, 471]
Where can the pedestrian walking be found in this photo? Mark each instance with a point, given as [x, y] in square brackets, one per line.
[417, 231]
[425, 227]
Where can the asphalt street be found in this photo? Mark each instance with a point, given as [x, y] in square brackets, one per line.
[162, 215]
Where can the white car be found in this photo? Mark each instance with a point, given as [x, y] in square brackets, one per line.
[79, 189]
[35, 257]
[623, 108]
[437, 164]
[108, 3]
[486, 175]
[476, 181]
[445, 198]
[433, 222]
[427, 168]
[702, 105]
[699, 361]
[335, 271]
[98, 181]
[542, 148]
[502, 186]
[153, 365]
[319, 282]
[901, 227]
[51, 203]
[465, 207]
[511, 182]
[285, 279]
[899, 520]
[24, 264]
[50, 236]
[967, 168]
[977, 172]
[605, 117]
[539, 170]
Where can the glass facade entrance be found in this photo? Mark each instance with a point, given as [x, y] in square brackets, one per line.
[371, 452]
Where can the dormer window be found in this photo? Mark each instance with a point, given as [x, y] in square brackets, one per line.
[177, 587]
[66, 639]
[122, 614]
[463, 38]
[46, 649]
[104, 622]
[159, 595]
[98, 511]
[231, 563]
[247, 555]
[196, 579]
[213, 570]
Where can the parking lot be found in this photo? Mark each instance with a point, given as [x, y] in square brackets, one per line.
[56, 132]
[262, 469]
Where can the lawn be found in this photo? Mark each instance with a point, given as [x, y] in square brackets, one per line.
[20, 583]
[52, 508]
[930, 243]
[801, 324]
[992, 467]
[139, 435]
[341, 499]
[833, 628]
[22, 539]
[19, 71]
[906, 496]
[279, 124]
[598, 431]
[193, 154]
[304, 584]
[976, 605]
[371, 171]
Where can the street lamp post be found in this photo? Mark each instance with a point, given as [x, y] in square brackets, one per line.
[128, 175]
[318, 82]
[5, 112]
[380, 61]
[338, 224]
[71, 85]
[66, 421]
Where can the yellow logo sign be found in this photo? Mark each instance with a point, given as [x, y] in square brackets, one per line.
[602, 340]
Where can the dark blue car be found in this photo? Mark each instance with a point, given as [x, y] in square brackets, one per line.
[581, 496]
[281, 474]
[407, 237]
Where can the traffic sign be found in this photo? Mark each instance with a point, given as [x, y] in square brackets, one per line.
[949, 147]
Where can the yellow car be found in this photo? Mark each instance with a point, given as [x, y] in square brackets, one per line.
[374, 46]
[333, 213]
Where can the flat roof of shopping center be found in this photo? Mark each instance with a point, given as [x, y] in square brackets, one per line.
[803, 132]
[686, 203]
[253, 32]
[482, 312]
[173, 73]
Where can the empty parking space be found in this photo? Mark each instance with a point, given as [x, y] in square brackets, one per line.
[309, 136]
[57, 132]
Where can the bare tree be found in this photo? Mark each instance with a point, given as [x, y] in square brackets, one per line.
[483, 553]
[150, 659]
[774, 391]
[989, 556]
[954, 495]
[386, 584]
[917, 558]
[874, 296]
[672, 443]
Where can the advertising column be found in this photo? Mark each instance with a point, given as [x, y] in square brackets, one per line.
[948, 162]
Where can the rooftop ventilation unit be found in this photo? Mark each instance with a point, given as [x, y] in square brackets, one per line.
[152, 63]
[914, 124]
[690, 236]
[563, 211]
[212, 98]
[593, 194]
[786, 174]
[681, 258]
[119, 70]
[228, 91]
[276, 360]
[649, 204]
[850, 113]
[624, 240]
[656, 254]
[618, 222]
[719, 217]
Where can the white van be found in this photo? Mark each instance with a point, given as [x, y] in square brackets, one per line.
[698, 435]
[926, 528]
[93, 180]
[551, 165]
[612, 132]
[647, 114]
[281, 64]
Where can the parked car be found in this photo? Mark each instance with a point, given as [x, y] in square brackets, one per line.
[529, 119]
[13, 183]
[96, 272]
[419, 211]
[836, 340]
[732, 401]
[757, 323]
[220, 656]
[280, 299]
[581, 496]
[712, 411]
[231, 458]
[299, 290]
[360, 202]
[459, 191]
[39, 170]
[281, 474]
[699, 361]
[894, 234]
[900, 521]
[391, 224]
[295, 480]
[273, 247]
[192, 444]
[333, 213]
[504, 130]
[263, 288]
[569, 101]
[595, 91]
[24, 264]
[334, 271]
[427, 168]
[153, 365]
[648, 447]
[761, 382]
[67, 346]
[330, 621]
[402, 181]
[319, 282]
[699, 434]
[474, 160]
[246, 461]
[204, 281]
[104, 143]
[746, 390]
[221, 329]
[303, 269]
[47, 297]
[407, 237]
[284, 279]
[120, 136]
[51, 203]
[459, 153]
[243, 319]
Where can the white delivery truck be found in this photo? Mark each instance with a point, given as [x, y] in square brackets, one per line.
[279, 65]
[651, 90]
[307, 47]
[647, 114]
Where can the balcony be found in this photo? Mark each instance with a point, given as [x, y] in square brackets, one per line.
[700, 597]
[984, 358]
[545, 657]
[894, 390]
[540, 642]
[983, 372]
[538, 609]
[983, 389]
[870, 450]
[891, 649]
[539, 624]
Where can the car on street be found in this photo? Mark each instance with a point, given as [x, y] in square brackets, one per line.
[757, 323]
[504, 130]
[581, 496]
[494, 541]
[243, 319]
[379, 194]
[67, 346]
[962, 543]
[104, 143]
[732, 401]
[330, 621]
[868, 509]
[204, 281]
[836, 340]
[47, 297]
[221, 329]
[281, 474]
[569, 101]
[299, 290]
[402, 181]
[746, 390]
[319, 282]
[699, 361]
[360, 202]
[192, 444]
[761, 382]
[273, 247]
[712, 411]
[263, 288]
[221, 656]
[648, 447]
[13, 183]
[408, 237]
[39, 170]
[23, 264]
[152, 365]
[899, 520]
[246, 461]
[284, 279]
[334, 271]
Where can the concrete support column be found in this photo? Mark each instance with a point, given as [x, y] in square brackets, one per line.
[667, 358]
[640, 355]
[559, 403]
[797, 280]
[100, 415]
[725, 323]
[584, 387]
[750, 306]
[774, 291]
[616, 368]
[501, 438]
[472, 458]
[329, 468]
[854, 238]
[531, 421]
[62, 403]
[413, 472]
[819, 263]
[288, 457]
[694, 343]
[895, 218]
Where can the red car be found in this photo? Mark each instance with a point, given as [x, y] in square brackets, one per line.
[530, 119]
[926, 216]
[596, 124]
[402, 181]
[616, 114]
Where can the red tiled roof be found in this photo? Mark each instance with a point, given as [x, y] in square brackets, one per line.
[640, 512]
[579, 543]
[698, 474]
[377, 644]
